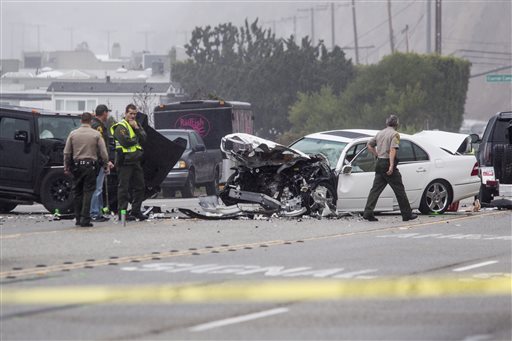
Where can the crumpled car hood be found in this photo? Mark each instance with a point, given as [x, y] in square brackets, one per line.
[443, 139]
[256, 152]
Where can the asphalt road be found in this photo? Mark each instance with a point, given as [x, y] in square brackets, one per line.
[464, 247]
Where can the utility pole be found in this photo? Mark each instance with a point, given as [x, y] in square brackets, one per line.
[70, 29]
[38, 27]
[333, 38]
[367, 48]
[146, 34]
[185, 35]
[356, 44]
[11, 25]
[294, 20]
[295, 27]
[391, 37]
[429, 23]
[313, 25]
[312, 14]
[108, 40]
[406, 31]
[438, 26]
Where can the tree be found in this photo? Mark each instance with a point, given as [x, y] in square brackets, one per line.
[427, 91]
[146, 100]
[249, 64]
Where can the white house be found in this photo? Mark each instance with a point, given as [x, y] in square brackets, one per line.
[77, 97]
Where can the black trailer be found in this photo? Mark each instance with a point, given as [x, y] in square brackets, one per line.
[212, 119]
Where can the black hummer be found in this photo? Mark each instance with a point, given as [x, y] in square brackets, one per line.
[31, 158]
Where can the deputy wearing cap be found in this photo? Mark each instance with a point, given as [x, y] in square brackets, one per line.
[385, 146]
[99, 123]
[83, 153]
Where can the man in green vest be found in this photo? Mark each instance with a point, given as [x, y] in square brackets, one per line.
[129, 135]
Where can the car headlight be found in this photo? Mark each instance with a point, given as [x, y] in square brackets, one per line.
[180, 165]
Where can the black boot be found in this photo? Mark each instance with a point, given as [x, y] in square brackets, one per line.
[86, 222]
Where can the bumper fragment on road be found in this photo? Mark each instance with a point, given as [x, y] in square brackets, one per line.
[265, 291]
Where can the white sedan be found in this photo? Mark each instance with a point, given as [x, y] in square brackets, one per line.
[435, 169]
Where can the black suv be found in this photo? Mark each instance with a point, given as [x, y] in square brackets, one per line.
[31, 158]
[495, 151]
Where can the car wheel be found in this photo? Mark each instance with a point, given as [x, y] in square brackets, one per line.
[168, 193]
[56, 192]
[484, 195]
[190, 185]
[321, 195]
[436, 198]
[212, 188]
[6, 207]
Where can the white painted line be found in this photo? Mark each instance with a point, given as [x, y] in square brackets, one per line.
[474, 266]
[238, 319]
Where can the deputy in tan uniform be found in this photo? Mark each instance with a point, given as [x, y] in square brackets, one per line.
[84, 148]
[385, 146]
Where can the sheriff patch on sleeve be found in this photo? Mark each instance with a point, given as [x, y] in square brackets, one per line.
[396, 141]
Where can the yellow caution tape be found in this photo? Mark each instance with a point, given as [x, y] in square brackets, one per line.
[267, 291]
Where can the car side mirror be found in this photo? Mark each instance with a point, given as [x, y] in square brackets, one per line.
[21, 135]
[199, 148]
[347, 169]
[475, 138]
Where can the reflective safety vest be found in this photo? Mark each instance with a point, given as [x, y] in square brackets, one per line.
[127, 125]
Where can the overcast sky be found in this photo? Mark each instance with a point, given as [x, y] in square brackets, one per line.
[64, 24]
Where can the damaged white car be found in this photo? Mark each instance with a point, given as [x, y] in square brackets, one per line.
[435, 168]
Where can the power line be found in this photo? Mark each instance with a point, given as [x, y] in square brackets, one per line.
[384, 22]
[486, 57]
[483, 51]
[491, 71]
[461, 41]
[411, 31]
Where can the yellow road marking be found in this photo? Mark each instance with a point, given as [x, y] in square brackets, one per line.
[145, 257]
[265, 291]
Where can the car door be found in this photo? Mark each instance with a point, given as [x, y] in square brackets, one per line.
[414, 165]
[17, 152]
[354, 187]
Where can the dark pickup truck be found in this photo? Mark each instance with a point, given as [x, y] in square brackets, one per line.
[198, 166]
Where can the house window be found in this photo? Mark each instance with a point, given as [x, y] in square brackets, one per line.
[59, 104]
[75, 105]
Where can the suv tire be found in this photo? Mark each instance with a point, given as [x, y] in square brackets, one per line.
[6, 207]
[484, 195]
[506, 166]
[497, 159]
[56, 192]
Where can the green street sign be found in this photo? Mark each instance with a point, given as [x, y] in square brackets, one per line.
[499, 78]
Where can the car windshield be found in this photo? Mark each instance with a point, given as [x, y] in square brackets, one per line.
[174, 135]
[57, 127]
[330, 149]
